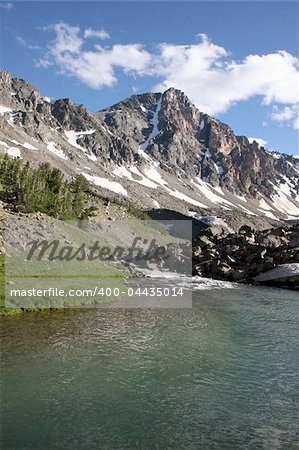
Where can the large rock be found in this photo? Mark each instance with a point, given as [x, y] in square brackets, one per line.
[284, 274]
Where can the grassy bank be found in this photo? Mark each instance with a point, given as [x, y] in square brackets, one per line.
[5, 311]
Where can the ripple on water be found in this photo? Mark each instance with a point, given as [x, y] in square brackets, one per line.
[222, 375]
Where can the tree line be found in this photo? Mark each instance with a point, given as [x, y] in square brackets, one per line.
[44, 189]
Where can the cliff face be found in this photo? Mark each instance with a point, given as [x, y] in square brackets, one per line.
[158, 150]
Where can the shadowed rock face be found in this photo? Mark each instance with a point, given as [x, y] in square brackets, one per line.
[165, 131]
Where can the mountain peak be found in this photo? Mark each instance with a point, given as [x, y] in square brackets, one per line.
[155, 144]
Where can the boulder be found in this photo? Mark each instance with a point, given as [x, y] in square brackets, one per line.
[284, 274]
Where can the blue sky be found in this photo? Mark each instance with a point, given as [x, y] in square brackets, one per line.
[235, 60]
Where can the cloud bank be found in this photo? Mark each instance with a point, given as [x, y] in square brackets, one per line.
[206, 72]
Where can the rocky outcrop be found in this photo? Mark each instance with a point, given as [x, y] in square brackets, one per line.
[248, 256]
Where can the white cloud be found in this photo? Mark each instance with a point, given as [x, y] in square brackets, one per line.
[7, 6]
[67, 39]
[101, 34]
[94, 68]
[214, 83]
[288, 115]
[260, 141]
[205, 71]
[26, 44]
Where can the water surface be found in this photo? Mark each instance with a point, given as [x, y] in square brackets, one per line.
[223, 375]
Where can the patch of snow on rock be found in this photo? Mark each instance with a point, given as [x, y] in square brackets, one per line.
[219, 169]
[264, 205]
[28, 146]
[14, 152]
[206, 190]
[106, 184]
[51, 146]
[155, 123]
[152, 173]
[187, 199]
[210, 219]
[282, 201]
[125, 172]
[72, 137]
[4, 109]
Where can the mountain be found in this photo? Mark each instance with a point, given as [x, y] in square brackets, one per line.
[156, 150]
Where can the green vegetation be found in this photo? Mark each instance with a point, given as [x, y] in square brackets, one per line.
[44, 189]
[5, 311]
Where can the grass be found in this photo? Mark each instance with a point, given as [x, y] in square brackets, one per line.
[5, 311]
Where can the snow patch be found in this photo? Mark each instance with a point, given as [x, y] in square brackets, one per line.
[241, 197]
[210, 219]
[28, 146]
[4, 144]
[282, 201]
[72, 137]
[219, 169]
[206, 190]
[152, 173]
[125, 172]
[4, 109]
[264, 205]
[247, 210]
[268, 214]
[14, 152]
[187, 199]
[15, 142]
[107, 184]
[51, 146]
[155, 123]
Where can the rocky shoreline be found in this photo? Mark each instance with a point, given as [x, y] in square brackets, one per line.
[269, 257]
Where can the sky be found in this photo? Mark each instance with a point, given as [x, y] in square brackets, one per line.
[237, 61]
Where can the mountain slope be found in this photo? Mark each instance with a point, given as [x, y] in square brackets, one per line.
[156, 150]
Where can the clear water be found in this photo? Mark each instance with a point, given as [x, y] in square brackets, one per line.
[223, 375]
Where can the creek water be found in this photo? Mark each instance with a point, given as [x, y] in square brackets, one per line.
[222, 375]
